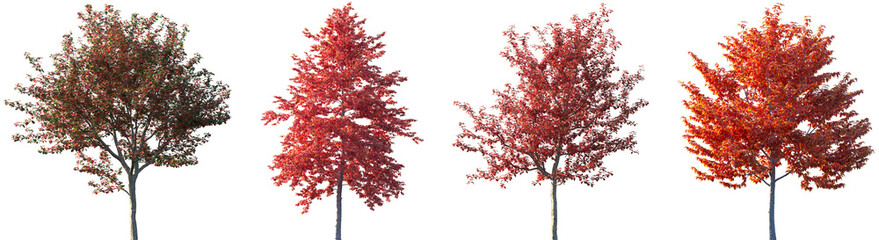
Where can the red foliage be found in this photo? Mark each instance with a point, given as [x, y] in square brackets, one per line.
[565, 111]
[773, 104]
[564, 115]
[342, 116]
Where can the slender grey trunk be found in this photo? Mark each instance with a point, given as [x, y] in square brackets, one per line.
[772, 204]
[132, 197]
[339, 201]
[555, 215]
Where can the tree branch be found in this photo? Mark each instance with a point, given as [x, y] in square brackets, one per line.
[809, 132]
[116, 144]
[146, 128]
[134, 150]
[107, 148]
[782, 176]
[139, 169]
[143, 142]
[555, 164]
[117, 157]
[525, 169]
[766, 155]
[504, 144]
[758, 177]
[558, 156]
[150, 137]
[537, 165]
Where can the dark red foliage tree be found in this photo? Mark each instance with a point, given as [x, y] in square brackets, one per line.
[126, 89]
[773, 106]
[564, 115]
[344, 119]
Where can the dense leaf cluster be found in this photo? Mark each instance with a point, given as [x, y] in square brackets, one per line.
[126, 88]
[343, 117]
[563, 117]
[774, 106]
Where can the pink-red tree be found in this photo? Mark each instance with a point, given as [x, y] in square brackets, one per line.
[128, 91]
[774, 106]
[343, 117]
[564, 115]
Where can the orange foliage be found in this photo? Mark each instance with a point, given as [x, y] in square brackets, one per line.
[773, 105]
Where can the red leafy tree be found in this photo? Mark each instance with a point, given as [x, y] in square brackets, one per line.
[125, 89]
[564, 116]
[343, 119]
[774, 106]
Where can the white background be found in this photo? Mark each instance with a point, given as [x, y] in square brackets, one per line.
[449, 51]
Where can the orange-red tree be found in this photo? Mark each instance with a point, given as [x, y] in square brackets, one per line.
[772, 106]
[564, 115]
[344, 119]
[128, 91]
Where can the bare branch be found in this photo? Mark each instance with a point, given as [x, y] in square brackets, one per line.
[150, 136]
[525, 169]
[106, 147]
[139, 169]
[134, 147]
[118, 157]
[537, 165]
[116, 144]
[558, 157]
[782, 176]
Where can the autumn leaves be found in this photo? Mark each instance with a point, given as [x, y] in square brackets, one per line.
[772, 114]
[343, 119]
[129, 93]
[564, 115]
[127, 90]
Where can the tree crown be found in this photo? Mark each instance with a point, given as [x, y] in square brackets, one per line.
[773, 104]
[565, 108]
[342, 116]
[125, 87]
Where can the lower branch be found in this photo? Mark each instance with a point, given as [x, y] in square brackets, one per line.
[522, 168]
[782, 176]
[758, 177]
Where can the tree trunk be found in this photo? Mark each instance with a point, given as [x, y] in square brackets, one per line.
[133, 200]
[772, 205]
[555, 215]
[339, 182]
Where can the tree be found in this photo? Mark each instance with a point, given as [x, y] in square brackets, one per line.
[343, 119]
[564, 115]
[127, 91]
[773, 105]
